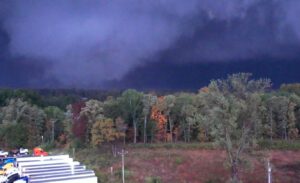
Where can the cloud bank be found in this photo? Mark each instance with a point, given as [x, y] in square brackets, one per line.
[85, 43]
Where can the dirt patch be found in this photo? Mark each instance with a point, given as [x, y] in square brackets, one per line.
[201, 166]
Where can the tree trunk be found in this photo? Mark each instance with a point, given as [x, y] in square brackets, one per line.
[145, 129]
[271, 121]
[184, 134]
[285, 133]
[234, 172]
[52, 136]
[189, 132]
[205, 134]
[135, 130]
[114, 150]
[166, 133]
[124, 138]
[171, 127]
[152, 134]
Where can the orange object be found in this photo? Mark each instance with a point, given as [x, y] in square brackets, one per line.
[39, 152]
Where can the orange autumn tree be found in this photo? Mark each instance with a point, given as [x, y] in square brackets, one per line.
[161, 120]
[204, 89]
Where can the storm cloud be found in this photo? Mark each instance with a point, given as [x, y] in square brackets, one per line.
[87, 43]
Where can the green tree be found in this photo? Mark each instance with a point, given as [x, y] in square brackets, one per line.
[291, 88]
[54, 117]
[13, 135]
[282, 112]
[13, 112]
[185, 112]
[34, 120]
[132, 106]
[148, 101]
[67, 123]
[19, 114]
[270, 126]
[234, 111]
[112, 108]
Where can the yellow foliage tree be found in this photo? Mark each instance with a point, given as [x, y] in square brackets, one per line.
[104, 131]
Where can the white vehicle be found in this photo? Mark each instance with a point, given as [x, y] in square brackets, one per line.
[23, 152]
[11, 175]
[3, 153]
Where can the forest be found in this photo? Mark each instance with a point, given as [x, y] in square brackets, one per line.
[237, 114]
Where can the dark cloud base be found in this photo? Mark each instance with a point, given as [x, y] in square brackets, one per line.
[191, 77]
[158, 75]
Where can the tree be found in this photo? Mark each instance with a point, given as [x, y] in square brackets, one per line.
[148, 101]
[185, 112]
[14, 111]
[234, 107]
[160, 119]
[165, 105]
[78, 122]
[190, 113]
[13, 136]
[93, 111]
[296, 100]
[121, 127]
[22, 115]
[282, 111]
[291, 88]
[67, 122]
[132, 105]
[54, 115]
[112, 108]
[35, 121]
[104, 131]
[269, 104]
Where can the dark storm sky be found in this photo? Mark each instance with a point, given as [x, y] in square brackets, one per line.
[157, 44]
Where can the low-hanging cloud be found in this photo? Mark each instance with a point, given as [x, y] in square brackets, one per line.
[89, 42]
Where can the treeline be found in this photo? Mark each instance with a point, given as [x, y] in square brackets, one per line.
[29, 118]
[54, 97]
[234, 113]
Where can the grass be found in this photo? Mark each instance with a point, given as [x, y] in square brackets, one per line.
[177, 145]
[163, 155]
[100, 160]
[279, 145]
[153, 180]
[213, 180]
[127, 174]
[262, 145]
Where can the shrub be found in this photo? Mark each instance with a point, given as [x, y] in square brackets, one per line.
[48, 146]
[77, 143]
[213, 180]
[153, 180]
[127, 173]
[178, 160]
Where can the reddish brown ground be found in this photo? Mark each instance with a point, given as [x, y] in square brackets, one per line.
[201, 166]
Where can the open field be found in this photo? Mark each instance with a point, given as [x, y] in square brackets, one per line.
[188, 165]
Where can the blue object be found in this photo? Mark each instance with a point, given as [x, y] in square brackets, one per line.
[24, 179]
[6, 161]
[9, 160]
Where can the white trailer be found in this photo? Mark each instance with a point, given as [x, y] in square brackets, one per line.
[55, 169]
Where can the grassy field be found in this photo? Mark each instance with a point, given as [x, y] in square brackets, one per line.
[191, 163]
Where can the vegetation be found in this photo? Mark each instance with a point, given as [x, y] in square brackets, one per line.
[237, 114]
